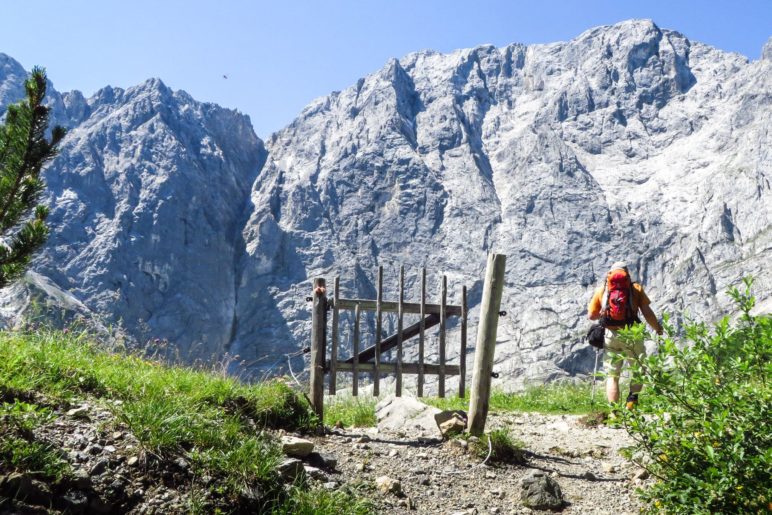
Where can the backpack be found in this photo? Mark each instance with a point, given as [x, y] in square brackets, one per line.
[617, 305]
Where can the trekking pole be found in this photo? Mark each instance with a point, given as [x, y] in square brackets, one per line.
[594, 377]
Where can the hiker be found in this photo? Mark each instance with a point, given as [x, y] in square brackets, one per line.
[616, 304]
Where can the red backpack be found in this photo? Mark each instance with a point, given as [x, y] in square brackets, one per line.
[617, 308]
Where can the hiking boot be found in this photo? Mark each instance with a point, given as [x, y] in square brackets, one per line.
[632, 401]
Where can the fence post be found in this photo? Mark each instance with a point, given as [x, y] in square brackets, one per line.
[486, 343]
[318, 341]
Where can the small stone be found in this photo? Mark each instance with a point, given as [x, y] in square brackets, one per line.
[424, 481]
[451, 422]
[490, 475]
[98, 468]
[589, 476]
[540, 492]
[386, 485]
[393, 453]
[361, 467]
[80, 412]
[117, 435]
[609, 468]
[81, 479]
[290, 469]
[109, 448]
[641, 474]
[362, 439]
[330, 485]
[495, 509]
[296, 447]
[314, 473]
[181, 464]
[458, 443]
[95, 449]
[422, 456]
[132, 461]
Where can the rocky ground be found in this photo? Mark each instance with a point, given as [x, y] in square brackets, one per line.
[438, 476]
[403, 466]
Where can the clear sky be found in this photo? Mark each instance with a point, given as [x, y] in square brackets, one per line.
[280, 55]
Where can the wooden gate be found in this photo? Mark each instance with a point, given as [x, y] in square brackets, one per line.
[369, 360]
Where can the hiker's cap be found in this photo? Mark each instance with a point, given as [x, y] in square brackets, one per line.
[619, 265]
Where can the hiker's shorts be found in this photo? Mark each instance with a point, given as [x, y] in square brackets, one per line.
[616, 353]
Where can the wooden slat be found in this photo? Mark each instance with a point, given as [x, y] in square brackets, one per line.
[400, 315]
[389, 343]
[407, 368]
[378, 330]
[355, 369]
[334, 350]
[443, 327]
[421, 331]
[393, 307]
[462, 351]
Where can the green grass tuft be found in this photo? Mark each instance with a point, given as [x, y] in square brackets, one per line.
[351, 411]
[554, 398]
[214, 421]
[503, 448]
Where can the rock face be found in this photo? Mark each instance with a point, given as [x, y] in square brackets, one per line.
[629, 142]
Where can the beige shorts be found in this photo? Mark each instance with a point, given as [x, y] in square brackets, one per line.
[616, 353]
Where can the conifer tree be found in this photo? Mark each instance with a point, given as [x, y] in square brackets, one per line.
[24, 149]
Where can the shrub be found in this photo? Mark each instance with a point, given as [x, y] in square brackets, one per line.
[707, 437]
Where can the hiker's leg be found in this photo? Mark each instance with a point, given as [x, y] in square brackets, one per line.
[638, 353]
[613, 358]
[612, 389]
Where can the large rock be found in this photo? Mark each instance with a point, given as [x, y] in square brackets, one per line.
[451, 422]
[406, 414]
[538, 491]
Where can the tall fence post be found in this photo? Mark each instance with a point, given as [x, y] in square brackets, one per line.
[318, 339]
[486, 343]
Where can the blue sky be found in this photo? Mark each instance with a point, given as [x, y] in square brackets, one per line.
[280, 55]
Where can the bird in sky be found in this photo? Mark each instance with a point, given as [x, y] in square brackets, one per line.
[224, 76]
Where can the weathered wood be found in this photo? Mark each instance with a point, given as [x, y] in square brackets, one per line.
[486, 343]
[318, 342]
[389, 343]
[462, 350]
[421, 331]
[412, 308]
[355, 369]
[407, 368]
[443, 326]
[334, 349]
[400, 315]
[378, 329]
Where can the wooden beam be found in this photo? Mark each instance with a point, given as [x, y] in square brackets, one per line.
[378, 331]
[318, 337]
[355, 385]
[486, 343]
[334, 350]
[421, 329]
[389, 343]
[400, 319]
[412, 308]
[462, 350]
[443, 325]
[407, 368]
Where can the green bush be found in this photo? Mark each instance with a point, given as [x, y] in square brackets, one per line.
[706, 437]
[501, 446]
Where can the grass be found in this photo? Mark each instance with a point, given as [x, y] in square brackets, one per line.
[351, 411]
[555, 398]
[318, 501]
[214, 421]
[502, 447]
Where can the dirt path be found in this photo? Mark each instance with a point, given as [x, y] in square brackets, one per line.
[442, 477]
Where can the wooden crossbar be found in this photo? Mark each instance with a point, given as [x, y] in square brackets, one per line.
[393, 307]
[407, 368]
[389, 343]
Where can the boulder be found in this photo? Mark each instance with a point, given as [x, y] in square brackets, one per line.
[538, 491]
[290, 469]
[406, 413]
